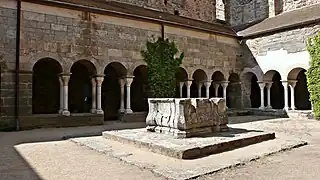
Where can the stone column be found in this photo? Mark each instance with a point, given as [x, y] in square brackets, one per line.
[122, 83]
[262, 85]
[268, 86]
[99, 80]
[200, 84]
[285, 86]
[61, 95]
[65, 79]
[208, 84]
[129, 80]
[181, 88]
[292, 85]
[94, 95]
[189, 83]
[216, 89]
[224, 85]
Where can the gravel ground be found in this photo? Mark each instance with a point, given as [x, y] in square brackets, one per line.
[22, 158]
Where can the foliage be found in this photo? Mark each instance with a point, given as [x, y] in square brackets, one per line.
[313, 74]
[163, 64]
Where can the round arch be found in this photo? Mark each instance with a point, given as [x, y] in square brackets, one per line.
[111, 93]
[139, 89]
[251, 95]
[197, 87]
[46, 86]
[80, 86]
[234, 91]
[277, 89]
[301, 93]
[181, 78]
[216, 78]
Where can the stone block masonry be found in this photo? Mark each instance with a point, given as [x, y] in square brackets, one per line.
[186, 117]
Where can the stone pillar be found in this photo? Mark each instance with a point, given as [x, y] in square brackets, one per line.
[216, 89]
[122, 83]
[208, 84]
[224, 85]
[65, 79]
[129, 80]
[189, 83]
[94, 95]
[200, 84]
[292, 85]
[262, 85]
[268, 86]
[99, 80]
[285, 86]
[61, 95]
[181, 88]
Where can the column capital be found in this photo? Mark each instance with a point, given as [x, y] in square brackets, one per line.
[129, 80]
[93, 81]
[65, 78]
[284, 83]
[269, 84]
[189, 82]
[207, 83]
[122, 82]
[181, 83]
[224, 84]
[261, 84]
[99, 79]
[292, 83]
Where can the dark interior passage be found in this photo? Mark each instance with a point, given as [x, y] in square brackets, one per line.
[255, 97]
[302, 95]
[46, 87]
[139, 90]
[80, 87]
[277, 92]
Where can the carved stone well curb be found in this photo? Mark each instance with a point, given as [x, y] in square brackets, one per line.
[187, 117]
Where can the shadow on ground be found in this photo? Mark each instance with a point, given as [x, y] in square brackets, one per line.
[13, 165]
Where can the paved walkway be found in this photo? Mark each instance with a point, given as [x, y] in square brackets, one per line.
[22, 158]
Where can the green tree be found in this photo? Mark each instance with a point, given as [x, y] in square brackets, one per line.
[313, 74]
[162, 67]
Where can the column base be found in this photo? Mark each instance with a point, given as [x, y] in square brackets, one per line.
[99, 111]
[66, 113]
[129, 111]
[269, 107]
[93, 111]
[286, 108]
[293, 108]
[262, 108]
[122, 110]
[60, 111]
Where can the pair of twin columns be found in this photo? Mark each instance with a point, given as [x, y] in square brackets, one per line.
[286, 84]
[96, 83]
[207, 84]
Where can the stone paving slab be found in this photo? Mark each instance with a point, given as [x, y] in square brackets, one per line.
[189, 148]
[172, 168]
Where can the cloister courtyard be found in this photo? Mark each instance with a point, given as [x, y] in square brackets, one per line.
[81, 153]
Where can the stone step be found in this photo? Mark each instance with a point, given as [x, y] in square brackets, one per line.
[134, 117]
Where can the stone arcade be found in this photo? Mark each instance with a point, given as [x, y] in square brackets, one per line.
[72, 63]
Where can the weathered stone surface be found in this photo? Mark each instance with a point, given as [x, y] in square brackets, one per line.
[187, 117]
[189, 148]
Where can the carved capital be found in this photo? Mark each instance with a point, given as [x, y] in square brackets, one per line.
[99, 79]
[129, 80]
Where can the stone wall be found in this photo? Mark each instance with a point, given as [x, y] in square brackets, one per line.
[197, 9]
[288, 5]
[7, 65]
[245, 12]
[292, 41]
[68, 36]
